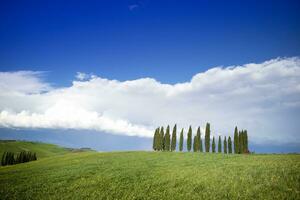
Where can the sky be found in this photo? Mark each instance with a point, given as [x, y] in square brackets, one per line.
[76, 72]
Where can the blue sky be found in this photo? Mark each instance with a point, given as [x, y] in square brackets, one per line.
[46, 45]
[167, 40]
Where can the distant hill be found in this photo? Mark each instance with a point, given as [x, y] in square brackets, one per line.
[41, 149]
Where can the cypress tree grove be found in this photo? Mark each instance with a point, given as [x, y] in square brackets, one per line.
[225, 145]
[219, 145]
[181, 141]
[236, 140]
[189, 139]
[167, 139]
[198, 138]
[213, 145]
[207, 137]
[173, 143]
[229, 145]
[161, 140]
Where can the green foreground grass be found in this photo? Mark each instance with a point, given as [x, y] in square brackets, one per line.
[153, 175]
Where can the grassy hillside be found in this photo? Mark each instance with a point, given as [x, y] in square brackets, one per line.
[153, 175]
[41, 149]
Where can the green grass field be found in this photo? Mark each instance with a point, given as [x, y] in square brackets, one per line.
[152, 175]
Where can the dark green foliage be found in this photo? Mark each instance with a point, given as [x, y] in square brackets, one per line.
[229, 145]
[8, 158]
[156, 140]
[161, 140]
[167, 139]
[198, 138]
[3, 159]
[219, 145]
[201, 145]
[213, 145]
[189, 139]
[225, 145]
[195, 144]
[181, 141]
[173, 143]
[246, 142]
[207, 137]
[236, 140]
[241, 141]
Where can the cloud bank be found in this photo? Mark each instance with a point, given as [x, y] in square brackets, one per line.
[263, 98]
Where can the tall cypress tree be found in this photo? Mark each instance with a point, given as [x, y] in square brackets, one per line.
[236, 140]
[200, 145]
[207, 137]
[219, 145]
[154, 146]
[213, 145]
[158, 142]
[181, 141]
[246, 142]
[198, 138]
[161, 140]
[229, 145]
[167, 139]
[195, 144]
[189, 139]
[241, 141]
[173, 143]
[225, 145]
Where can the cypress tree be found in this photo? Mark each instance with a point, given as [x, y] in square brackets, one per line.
[154, 145]
[198, 138]
[213, 145]
[173, 144]
[167, 139]
[157, 140]
[241, 147]
[236, 140]
[229, 145]
[3, 163]
[207, 137]
[161, 140]
[225, 145]
[246, 142]
[181, 141]
[219, 145]
[189, 139]
[195, 144]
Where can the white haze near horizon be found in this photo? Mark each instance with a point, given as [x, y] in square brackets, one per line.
[263, 98]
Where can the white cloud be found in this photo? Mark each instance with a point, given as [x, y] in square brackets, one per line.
[263, 98]
[23, 81]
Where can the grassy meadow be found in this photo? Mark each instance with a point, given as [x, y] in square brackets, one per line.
[150, 175]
